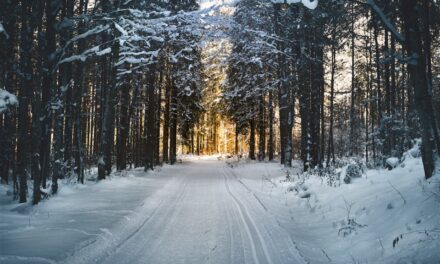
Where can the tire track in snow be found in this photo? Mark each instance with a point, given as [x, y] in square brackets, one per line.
[249, 223]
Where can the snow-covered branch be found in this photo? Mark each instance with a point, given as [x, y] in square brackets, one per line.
[386, 21]
[311, 4]
[7, 100]
[3, 31]
[95, 51]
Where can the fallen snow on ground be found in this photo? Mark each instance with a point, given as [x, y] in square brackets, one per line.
[383, 217]
[210, 211]
[48, 232]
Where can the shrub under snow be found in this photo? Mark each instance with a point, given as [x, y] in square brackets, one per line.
[7, 100]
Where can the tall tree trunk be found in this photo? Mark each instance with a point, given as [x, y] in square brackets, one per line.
[427, 6]
[378, 74]
[150, 120]
[393, 91]
[271, 121]
[48, 86]
[261, 130]
[387, 143]
[252, 139]
[10, 63]
[26, 85]
[173, 124]
[317, 92]
[330, 147]
[418, 79]
[304, 111]
[37, 112]
[166, 119]
[123, 127]
[103, 119]
[79, 87]
[353, 121]
[111, 111]
[157, 119]
[236, 140]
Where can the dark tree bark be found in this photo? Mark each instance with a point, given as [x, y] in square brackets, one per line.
[104, 120]
[237, 132]
[26, 85]
[304, 111]
[150, 120]
[173, 124]
[419, 81]
[353, 120]
[124, 126]
[378, 74]
[52, 9]
[331, 147]
[166, 122]
[252, 139]
[157, 120]
[283, 91]
[111, 111]
[10, 66]
[317, 89]
[261, 130]
[37, 113]
[64, 144]
[427, 6]
[80, 87]
[271, 134]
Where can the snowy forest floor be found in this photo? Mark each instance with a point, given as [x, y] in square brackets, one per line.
[211, 211]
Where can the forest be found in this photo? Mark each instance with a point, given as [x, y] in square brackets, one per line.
[108, 86]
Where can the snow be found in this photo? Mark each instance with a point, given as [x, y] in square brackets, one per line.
[95, 51]
[206, 4]
[206, 210]
[7, 100]
[93, 31]
[78, 215]
[392, 162]
[103, 52]
[121, 29]
[311, 4]
[3, 31]
[372, 212]
[385, 20]
[101, 160]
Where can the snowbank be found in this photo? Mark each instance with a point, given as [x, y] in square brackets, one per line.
[383, 217]
[76, 216]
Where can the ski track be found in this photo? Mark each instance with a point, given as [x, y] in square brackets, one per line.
[249, 224]
[293, 248]
[204, 214]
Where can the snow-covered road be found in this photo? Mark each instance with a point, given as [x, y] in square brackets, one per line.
[203, 211]
[202, 215]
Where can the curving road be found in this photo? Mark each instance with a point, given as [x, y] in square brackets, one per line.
[204, 214]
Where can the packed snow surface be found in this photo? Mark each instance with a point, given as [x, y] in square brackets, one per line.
[211, 211]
